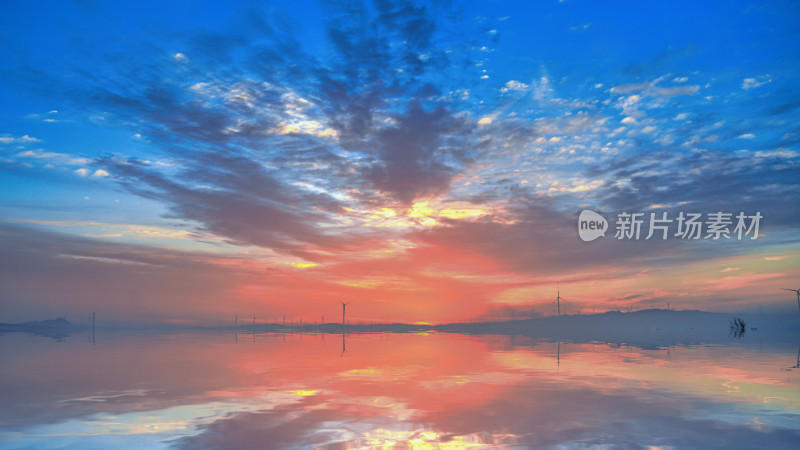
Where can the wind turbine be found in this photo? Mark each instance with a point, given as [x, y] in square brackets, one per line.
[344, 306]
[559, 299]
[797, 291]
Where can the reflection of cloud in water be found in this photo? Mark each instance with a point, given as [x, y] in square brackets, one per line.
[720, 372]
[601, 396]
[150, 427]
[439, 390]
[534, 413]
[336, 427]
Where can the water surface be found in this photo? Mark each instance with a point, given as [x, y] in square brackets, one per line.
[220, 390]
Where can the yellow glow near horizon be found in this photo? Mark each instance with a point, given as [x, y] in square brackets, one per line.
[303, 265]
[304, 392]
[461, 213]
[428, 222]
[424, 213]
[368, 284]
[421, 213]
[424, 210]
[421, 209]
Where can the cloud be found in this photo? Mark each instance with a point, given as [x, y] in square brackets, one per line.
[378, 108]
[630, 88]
[59, 158]
[705, 180]
[49, 117]
[101, 229]
[750, 83]
[244, 136]
[779, 153]
[83, 274]
[408, 166]
[8, 139]
[239, 199]
[582, 27]
[651, 88]
[674, 91]
[514, 85]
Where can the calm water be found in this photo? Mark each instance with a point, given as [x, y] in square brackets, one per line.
[208, 390]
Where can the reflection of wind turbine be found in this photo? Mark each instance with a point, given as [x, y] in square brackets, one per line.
[797, 364]
[797, 291]
[558, 357]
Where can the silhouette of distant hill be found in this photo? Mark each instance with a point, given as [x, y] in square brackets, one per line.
[53, 328]
[646, 328]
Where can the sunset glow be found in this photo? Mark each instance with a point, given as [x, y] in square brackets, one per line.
[426, 163]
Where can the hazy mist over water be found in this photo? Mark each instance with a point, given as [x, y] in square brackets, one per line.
[215, 389]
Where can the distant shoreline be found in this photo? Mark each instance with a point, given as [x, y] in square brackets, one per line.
[654, 327]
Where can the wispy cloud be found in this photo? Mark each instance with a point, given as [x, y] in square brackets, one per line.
[750, 83]
[53, 157]
[25, 139]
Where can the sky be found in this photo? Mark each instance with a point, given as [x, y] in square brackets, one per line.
[184, 162]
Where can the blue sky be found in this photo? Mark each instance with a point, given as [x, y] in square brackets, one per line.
[427, 159]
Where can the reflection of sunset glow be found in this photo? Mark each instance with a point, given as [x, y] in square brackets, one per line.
[422, 440]
[424, 391]
[684, 371]
[363, 373]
